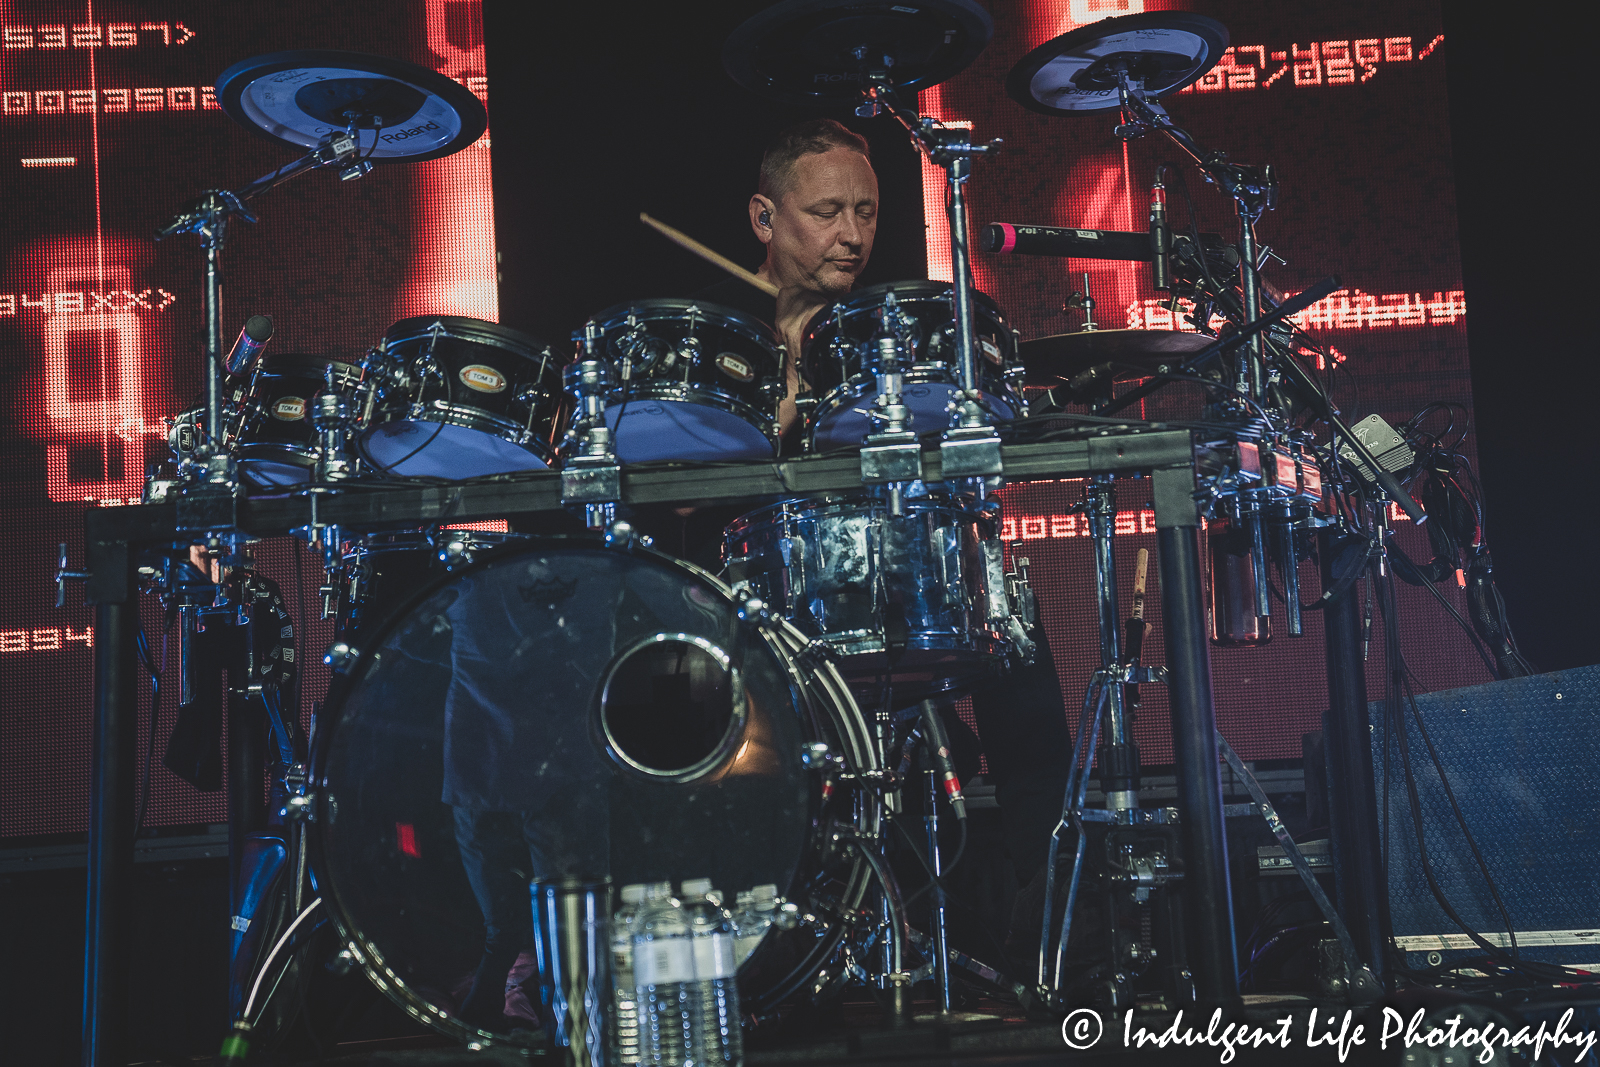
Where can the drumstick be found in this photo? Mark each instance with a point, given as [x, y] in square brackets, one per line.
[683, 240]
[1140, 574]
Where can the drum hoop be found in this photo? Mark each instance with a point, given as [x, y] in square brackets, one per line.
[299, 455]
[699, 396]
[676, 308]
[465, 328]
[873, 297]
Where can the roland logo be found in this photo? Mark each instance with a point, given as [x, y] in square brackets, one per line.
[483, 379]
[415, 131]
[289, 409]
[825, 78]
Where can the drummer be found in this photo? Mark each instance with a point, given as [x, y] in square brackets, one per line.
[816, 210]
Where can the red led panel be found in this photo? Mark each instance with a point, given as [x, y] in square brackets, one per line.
[108, 125]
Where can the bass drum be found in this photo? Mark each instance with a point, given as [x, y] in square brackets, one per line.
[569, 709]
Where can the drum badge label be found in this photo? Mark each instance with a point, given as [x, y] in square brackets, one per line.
[735, 367]
[483, 379]
[289, 409]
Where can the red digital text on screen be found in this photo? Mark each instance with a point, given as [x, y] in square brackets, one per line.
[56, 36]
[46, 639]
[86, 302]
[1346, 309]
[18, 103]
[1349, 62]
[1060, 526]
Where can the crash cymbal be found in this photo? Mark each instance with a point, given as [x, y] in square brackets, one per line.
[1076, 73]
[1132, 353]
[403, 113]
[825, 51]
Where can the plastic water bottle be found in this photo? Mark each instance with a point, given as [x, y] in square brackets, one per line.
[663, 970]
[624, 1003]
[714, 996]
[758, 910]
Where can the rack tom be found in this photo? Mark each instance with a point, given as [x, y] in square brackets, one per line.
[453, 397]
[694, 381]
[841, 359]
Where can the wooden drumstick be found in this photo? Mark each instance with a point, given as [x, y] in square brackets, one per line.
[1137, 627]
[1141, 572]
[683, 240]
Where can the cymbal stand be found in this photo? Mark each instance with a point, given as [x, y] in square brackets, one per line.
[1252, 189]
[970, 448]
[207, 216]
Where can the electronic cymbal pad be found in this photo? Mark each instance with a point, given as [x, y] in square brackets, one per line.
[402, 113]
[828, 51]
[1132, 353]
[1076, 73]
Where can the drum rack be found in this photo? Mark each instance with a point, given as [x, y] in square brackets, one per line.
[114, 536]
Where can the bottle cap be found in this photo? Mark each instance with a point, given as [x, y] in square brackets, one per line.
[696, 887]
[744, 896]
[657, 890]
[764, 893]
[633, 894]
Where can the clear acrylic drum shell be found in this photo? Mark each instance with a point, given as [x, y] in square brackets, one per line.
[722, 406]
[842, 380]
[503, 408]
[553, 617]
[813, 561]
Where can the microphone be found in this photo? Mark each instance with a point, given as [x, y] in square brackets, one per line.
[1020, 239]
[939, 745]
[251, 343]
[1160, 238]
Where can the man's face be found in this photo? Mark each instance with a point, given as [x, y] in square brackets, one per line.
[823, 227]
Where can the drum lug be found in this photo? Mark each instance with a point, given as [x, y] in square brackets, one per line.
[816, 756]
[753, 610]
[341, 656]
[623, 536]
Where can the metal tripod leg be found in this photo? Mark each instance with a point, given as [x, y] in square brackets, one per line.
[1072, 808]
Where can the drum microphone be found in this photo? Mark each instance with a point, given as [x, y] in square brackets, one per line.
[1160, 237]
[1020, 239]
[939, 745]
[251, 343]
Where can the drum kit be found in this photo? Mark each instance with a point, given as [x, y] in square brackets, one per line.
[742, 727]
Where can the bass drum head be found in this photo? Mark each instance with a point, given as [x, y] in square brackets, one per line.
[557, 710]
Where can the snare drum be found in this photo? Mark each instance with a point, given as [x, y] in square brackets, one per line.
[268, 424]
[694, 381]
[921, 597]
[841, 357]
[453, 397]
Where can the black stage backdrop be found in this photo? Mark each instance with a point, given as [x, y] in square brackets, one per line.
[603, 112]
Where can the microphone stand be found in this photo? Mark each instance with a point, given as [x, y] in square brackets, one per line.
[207, 216]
